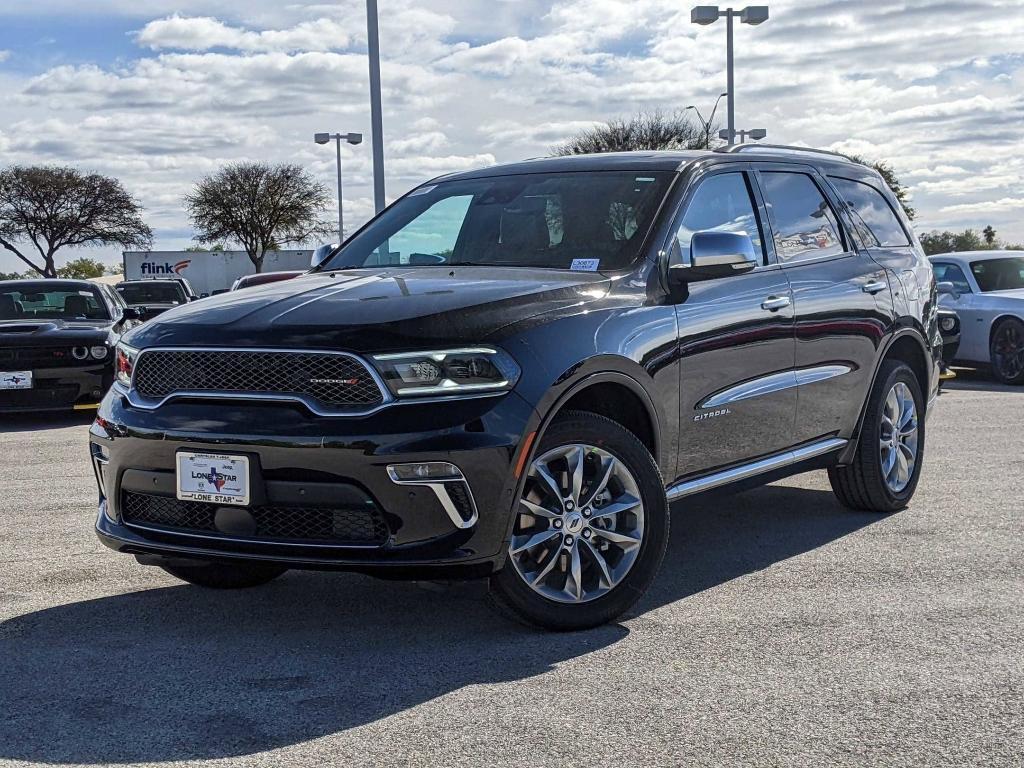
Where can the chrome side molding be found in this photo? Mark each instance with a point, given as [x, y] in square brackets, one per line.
[745, 471]
[775, 382]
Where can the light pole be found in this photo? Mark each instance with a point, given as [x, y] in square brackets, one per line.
[707, 123]
[350, 138]
[376, 119]
[709, 14]
[754, 133]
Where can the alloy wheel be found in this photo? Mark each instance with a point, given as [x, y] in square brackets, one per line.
[1008, 351]
[579, 525]
[897, 437]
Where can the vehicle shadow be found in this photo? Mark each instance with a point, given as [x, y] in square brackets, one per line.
[977, 380]
[37, 422]
[181, 673]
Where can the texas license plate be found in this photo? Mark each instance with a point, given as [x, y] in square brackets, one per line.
[15, 379]
[213, 477]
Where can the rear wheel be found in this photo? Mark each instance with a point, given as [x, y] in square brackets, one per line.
[591, 527]
[226, 575]
[887, 464]
[1007, 351]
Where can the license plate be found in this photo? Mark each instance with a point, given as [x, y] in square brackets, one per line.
[213, 477]
[15, 379]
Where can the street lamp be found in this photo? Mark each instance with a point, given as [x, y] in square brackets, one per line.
[376, 120]
[349, 138]
[709, 14]
[707, 123]
[754, 133]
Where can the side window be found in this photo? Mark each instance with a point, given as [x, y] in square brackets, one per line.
[805, 226]
[721, 203]
[874, 218]
[951, 273]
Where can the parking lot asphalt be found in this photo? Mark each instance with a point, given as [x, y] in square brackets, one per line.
[783, 630]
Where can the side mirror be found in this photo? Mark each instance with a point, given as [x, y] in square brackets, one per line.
[947, 288]
[204, 295]
[133, 313]
[320, 254]
[716, 254]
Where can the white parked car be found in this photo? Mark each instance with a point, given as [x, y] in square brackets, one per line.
[986, 289]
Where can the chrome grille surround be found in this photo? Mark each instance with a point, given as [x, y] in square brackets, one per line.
[328, 383]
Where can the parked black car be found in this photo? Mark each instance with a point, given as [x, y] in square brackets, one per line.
[57, 340]
[511, 372]
[156, 296]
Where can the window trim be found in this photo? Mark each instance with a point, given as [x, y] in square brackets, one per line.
[880, 193]
[692, 185]
[827, 193]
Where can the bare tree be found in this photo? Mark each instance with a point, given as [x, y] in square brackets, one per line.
[262, 207]
[645, 130]
[53, 208]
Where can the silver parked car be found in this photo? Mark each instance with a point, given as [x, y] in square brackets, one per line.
[986, 289]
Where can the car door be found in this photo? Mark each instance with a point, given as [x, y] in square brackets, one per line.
[842, 299]
[736, 343]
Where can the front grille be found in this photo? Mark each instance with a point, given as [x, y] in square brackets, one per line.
[41, 357]
[332, 381]
[363, 525]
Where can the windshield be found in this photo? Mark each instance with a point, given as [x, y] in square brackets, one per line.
[584, 221]
[999, 274]
[30, 304]
[151, 293]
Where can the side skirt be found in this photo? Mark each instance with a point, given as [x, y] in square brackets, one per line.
[754, 469]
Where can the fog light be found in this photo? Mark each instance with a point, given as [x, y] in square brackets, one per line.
[947, 323]
[434, 471]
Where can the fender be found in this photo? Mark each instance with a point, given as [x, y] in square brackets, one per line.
[846, 456]
[529, 446]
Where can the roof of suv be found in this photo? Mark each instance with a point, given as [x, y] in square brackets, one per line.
[662, 160]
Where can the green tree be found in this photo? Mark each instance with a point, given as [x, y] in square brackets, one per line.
[260, 206]
[82, 269]
[889, 176]
[990, 235]
[50, 208]
[645, 130]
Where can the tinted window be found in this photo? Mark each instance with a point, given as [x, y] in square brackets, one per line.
[874, 218]
[805, 226]
[721, 203]
[590, 221]
[999, 274]
[151, 293]
[951, 273]
[35, 301]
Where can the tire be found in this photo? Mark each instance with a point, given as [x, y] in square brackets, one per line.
[865, 484]
[226, 575]
[606, 539]
[1006, 351]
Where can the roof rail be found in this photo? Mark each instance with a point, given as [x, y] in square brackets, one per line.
[782, 149]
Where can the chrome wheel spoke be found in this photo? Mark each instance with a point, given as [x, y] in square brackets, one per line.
[541, 471]
[575, 574]
[600, 563]
[576, 472]
[601, 484]
[538, 511]
[624, 540]
[626, 504]
[539, 575]
[898, 437]
[533, 541]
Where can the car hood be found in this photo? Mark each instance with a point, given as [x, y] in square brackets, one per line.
[34, 333]
[372, 310]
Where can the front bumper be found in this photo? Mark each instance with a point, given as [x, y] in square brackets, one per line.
[59, 389]
[322, 466]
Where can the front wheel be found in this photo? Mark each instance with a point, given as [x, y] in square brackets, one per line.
[887, 463]
[226, 575]
[1007, 351]
[591, 527]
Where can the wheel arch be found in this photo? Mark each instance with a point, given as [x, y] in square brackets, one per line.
[995, 324]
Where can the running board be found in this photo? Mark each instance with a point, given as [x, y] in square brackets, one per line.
[706, 483]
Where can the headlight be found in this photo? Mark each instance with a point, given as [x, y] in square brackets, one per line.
[947, 323]
[447, 372]
[100, 353]
[125, 363]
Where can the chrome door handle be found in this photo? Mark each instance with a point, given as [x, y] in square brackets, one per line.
[875, 286]
[775, 303]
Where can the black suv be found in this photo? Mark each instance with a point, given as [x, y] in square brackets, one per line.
[511, 372]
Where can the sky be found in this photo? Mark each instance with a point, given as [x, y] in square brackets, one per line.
[162, 92]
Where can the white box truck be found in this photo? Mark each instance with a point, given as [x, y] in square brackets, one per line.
[208, 271]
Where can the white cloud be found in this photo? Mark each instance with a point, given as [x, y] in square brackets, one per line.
[201, 33]
[4, 55]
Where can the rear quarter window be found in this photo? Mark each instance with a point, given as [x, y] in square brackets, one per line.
[874, 218]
